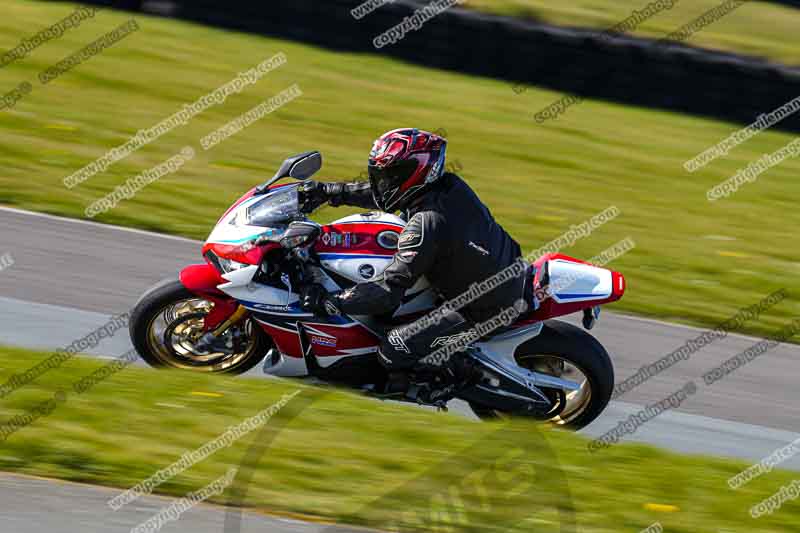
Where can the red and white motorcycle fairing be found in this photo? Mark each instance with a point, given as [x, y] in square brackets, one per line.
[358, 248]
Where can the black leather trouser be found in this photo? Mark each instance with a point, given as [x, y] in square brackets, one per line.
[405, 345]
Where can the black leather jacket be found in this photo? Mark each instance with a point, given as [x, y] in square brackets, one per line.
[451, 238]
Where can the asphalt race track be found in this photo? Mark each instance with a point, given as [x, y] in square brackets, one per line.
[68, 276]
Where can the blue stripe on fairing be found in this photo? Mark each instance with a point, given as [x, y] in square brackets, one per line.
[325, 256]
[294, 306]
[294, 309]
[569, 296]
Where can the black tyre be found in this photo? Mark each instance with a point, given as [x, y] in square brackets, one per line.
[167, 321]
[566, 351]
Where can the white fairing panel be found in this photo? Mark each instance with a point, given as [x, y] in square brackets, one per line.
[351, 267]
[233, 229]
[255, 296]
[385, 218]
[578, 282]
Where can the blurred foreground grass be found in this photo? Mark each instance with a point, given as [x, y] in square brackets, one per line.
[346, 458]
[695, 261]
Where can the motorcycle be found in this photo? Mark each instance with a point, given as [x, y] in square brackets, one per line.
[241, 307]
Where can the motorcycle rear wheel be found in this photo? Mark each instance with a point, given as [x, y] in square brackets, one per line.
[564, 350]
[167, 321]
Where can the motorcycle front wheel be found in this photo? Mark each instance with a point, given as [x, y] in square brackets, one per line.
[167, 323]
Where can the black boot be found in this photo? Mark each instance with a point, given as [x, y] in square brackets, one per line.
[436, 385]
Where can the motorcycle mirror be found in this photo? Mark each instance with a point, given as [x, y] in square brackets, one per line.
[299, 167]
[299, 233]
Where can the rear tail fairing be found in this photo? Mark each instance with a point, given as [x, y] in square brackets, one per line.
[567, 285]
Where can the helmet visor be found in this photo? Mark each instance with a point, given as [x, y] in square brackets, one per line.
[387, 183]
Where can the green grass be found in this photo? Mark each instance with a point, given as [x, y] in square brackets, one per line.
[347, 458]
[757, 28]
[695, 262]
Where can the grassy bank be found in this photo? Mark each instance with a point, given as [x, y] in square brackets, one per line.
[755, 28]
[695, 261]
[336, 456]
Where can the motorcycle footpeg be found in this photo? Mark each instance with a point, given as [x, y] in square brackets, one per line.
[425, 394]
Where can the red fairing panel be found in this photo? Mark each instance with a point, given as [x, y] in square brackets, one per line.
[335, 340]
[550, 308]
[202, 280]
[287, 342]
[246, 253]
[355, 238]
[327, 340]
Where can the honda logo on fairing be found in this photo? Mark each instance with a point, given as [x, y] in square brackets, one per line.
[366, 271]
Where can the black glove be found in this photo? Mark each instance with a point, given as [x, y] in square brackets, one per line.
[310, 195]
[315, 299]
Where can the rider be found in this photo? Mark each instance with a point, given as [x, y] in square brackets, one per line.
[450, 238]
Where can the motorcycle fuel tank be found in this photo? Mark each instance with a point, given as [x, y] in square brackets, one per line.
[359, 247]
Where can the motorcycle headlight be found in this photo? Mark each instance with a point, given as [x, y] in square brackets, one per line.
[229, 265]
[224, 265]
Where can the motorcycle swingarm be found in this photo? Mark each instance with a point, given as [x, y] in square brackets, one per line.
[514, 384]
